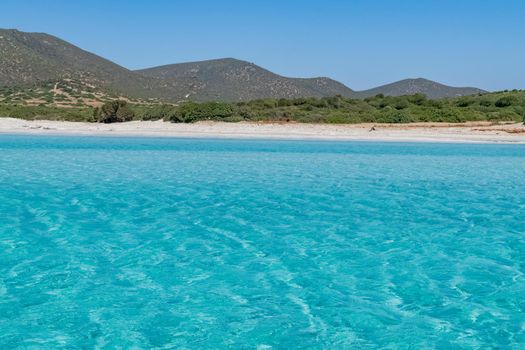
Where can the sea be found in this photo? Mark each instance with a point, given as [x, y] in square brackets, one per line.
[167, 243]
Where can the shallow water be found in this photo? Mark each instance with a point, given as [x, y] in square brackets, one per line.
[178, 243]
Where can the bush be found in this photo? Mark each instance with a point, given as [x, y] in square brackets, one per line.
[158, 112]
[282, 102]
[506, 101]
[464, 101]
[394, 117]
[189, 112]
[418, 99]
[401, 103]
[485, 102]
[113, 112]
[447, 115]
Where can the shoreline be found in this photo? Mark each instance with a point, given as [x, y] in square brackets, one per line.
[472, 132]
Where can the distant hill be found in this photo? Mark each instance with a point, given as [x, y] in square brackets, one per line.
[234, 80]
[430, 88]
[230, 79]
[38, 59]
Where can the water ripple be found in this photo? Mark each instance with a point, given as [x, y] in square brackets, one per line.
[184, 244]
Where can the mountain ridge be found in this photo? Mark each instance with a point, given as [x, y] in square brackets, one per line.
[232, 79]
[35, 58]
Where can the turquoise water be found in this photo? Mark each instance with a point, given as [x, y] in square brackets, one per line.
[195, 244]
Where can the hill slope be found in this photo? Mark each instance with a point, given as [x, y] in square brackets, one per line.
[33, 58]
[235, 80]
[430, 88]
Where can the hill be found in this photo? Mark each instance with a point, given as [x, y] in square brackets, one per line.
[235, 80]
[34, 58]
[230, 79]
[430, 88]
[28, 59]
[42, 62]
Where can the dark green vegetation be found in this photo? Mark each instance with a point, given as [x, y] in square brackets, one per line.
[499, 106]
[28, 60]
[113, 112]
[504, 106]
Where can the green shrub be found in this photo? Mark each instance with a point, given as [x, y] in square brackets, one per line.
[485, 102]
[505, 101]
[113, 112]
[401, 103]
[394, 117]
[417, 99]
[465, 101]
[190, 112]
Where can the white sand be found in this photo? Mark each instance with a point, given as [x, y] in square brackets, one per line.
[421, 132]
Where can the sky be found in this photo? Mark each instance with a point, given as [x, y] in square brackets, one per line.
[362, 43]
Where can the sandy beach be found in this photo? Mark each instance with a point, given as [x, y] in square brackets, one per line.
[419, 132]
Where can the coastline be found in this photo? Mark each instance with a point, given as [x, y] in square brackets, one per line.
[473, 132]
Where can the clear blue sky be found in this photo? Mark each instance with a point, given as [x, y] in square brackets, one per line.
[362, 43]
